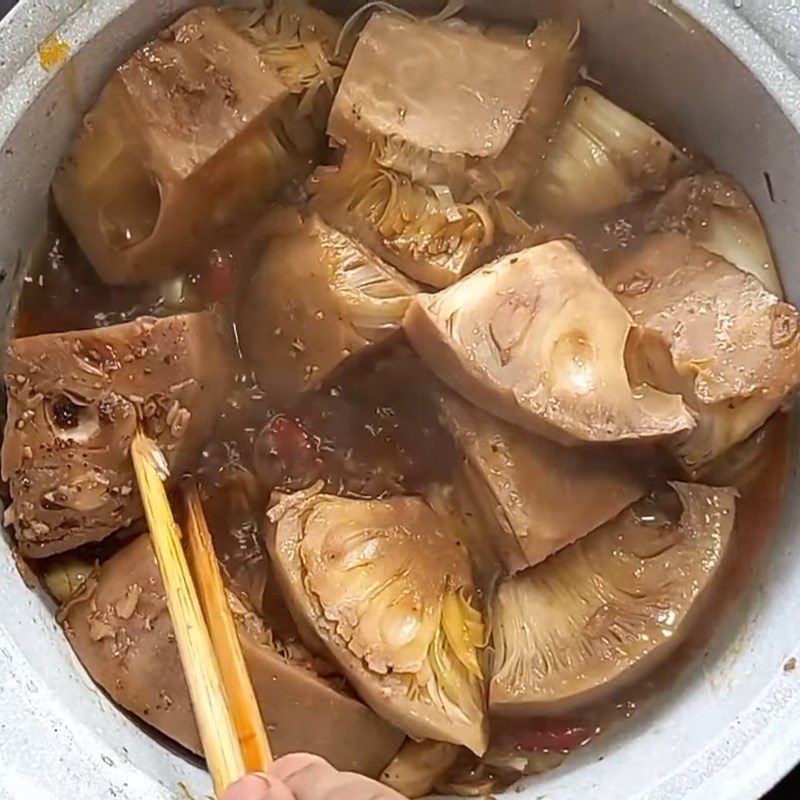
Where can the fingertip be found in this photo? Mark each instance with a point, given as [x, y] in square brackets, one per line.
[258, 787]
[250, 787]
[289, 765]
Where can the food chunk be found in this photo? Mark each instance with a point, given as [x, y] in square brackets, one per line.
[74, 400]
[602, 157]
[420, 766]
[62, 576]
[711, 332]
[482, 121]
[318, 299]
[717, 214]
[421, 230]
[431, 165]
[535, 496]
[298, 40]
[597, 615]
[386, 587]
[120, 628]
[193, 133]
[536, 339]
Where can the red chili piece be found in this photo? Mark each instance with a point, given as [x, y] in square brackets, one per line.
[287, 455]
[218, 279]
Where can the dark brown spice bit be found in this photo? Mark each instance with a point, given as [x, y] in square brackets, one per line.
[770, 187]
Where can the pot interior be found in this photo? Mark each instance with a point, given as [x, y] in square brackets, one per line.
[654, 60]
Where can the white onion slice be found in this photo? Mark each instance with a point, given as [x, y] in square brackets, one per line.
[602, 157]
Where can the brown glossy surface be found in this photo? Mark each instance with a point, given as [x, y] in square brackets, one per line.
[536, 496]
[714, 212]
[183, 141]
[121, 631]
[317, 299]
[600, 612]
[74, 401]
[375, 581]
[515, 338]
[470, 110]
[713, 333]
[425, 163]
[371, 427]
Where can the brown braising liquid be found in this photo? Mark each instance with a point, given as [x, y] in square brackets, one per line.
[372, 432]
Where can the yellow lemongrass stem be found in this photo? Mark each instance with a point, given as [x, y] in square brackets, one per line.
[206, 689]
[211, 590]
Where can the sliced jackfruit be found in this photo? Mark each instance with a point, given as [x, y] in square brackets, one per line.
[191, 136]
[419, 766]
[74, 402]
[120, 629]
[296, 39]
[386, 587]
[711, 332]
[602, 157]
[536, 339]
[716, 213]
[419, 229]
[318, 299]
[431, 166]
[600, 613]
[480, 127]
[519, 482]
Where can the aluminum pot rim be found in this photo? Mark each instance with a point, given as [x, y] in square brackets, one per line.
[763, 744]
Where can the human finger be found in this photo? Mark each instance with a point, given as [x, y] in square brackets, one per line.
[312, 778]
[300, 765]
[258, 787]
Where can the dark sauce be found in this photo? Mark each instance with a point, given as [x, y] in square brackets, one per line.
[374, 432]
[62, 292]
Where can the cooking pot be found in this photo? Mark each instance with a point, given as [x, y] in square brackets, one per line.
[729, 727]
